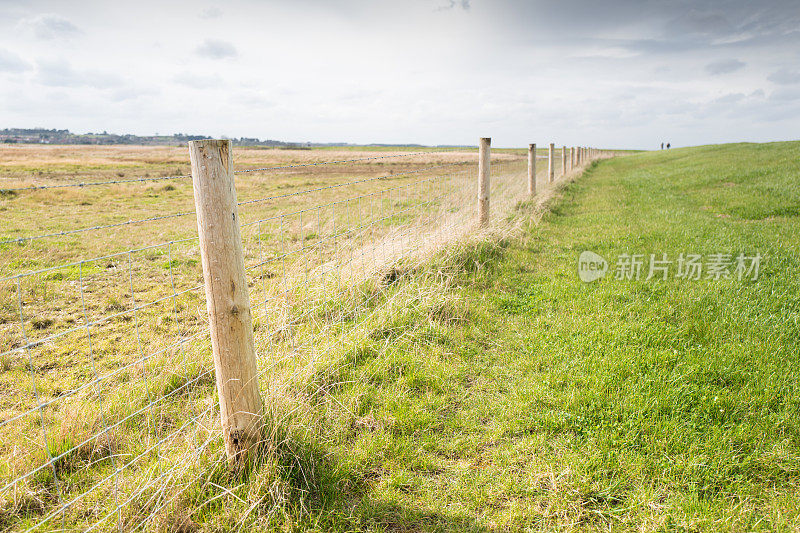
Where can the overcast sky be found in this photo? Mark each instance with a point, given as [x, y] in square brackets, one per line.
[614, 73]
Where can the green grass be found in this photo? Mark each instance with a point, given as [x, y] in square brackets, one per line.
[507, 394]
[489, 389]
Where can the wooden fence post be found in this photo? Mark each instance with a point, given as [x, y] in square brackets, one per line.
[484, 177]
[227, 298]
[571, 157]
[532, 170]
[563, 160]
[550, 167]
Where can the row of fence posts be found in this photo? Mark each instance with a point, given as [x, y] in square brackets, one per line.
[577, 156]
[227, 297]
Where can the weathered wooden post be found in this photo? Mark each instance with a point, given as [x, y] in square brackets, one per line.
[484, 177]
[563, 160]
[550, 167]
[227, 298]
[571, 157]
[532, 170]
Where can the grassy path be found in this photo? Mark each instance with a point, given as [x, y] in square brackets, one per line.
[512, 395]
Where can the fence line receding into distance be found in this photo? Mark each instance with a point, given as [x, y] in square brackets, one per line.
[114, 365]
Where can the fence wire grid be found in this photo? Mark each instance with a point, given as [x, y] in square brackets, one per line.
[108, 409]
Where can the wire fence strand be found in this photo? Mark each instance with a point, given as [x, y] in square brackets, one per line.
[119, 412]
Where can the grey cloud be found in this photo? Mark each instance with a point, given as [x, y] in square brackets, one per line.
[451, 4]
[654, 26]
[724, 66]
[11, 62]
[699, 23]
[731, 98]
[48, 26]
[731, 22]
[216, 49]
[786, 94]
[59, 73]
[211, 13]
[785, 76]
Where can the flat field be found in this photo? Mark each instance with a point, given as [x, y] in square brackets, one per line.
[106, 372]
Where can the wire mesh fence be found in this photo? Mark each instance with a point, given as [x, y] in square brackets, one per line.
[108, 413]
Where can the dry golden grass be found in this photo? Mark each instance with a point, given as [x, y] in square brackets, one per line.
[104, 330]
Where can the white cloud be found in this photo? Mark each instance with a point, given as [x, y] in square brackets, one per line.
[612, 52]
[11, 62]
[60, 73]
[216, 49]
[198, 81]
[48, 26]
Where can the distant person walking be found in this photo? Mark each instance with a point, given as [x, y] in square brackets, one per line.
[667, 146]
[662, 146]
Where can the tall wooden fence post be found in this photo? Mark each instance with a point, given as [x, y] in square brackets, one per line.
[227, 298]
[532, 170]
[550, 168]
[484, 177]
[563, 160]
[571, 157]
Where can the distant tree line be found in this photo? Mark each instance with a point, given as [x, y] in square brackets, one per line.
[55, 136]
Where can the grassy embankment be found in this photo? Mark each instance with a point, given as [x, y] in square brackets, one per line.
[504, 393]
